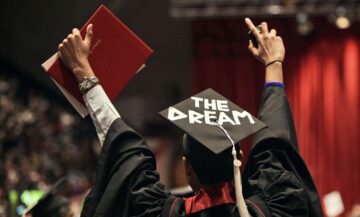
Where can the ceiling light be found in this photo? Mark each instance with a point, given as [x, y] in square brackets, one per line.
[342, 18]
[304, 25]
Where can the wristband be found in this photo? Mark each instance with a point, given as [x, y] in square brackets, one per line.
[277, 84]
[271, 62]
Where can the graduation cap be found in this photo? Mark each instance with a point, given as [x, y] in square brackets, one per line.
[50, 204]
[212, 125]
[210, 122]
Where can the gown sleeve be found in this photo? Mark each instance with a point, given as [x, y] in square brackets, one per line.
[276, 180]
[127, 183]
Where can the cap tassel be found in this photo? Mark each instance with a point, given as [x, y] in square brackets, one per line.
[240, 201]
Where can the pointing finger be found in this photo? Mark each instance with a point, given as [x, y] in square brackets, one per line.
[252, 28]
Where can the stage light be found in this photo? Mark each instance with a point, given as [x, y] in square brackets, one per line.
[304, 25]
[342, 18]
[274, 9]
[342, 22]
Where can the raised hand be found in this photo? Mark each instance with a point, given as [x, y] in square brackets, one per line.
[271, 47]
[74, 52]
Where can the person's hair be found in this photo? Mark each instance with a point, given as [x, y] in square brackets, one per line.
[210, 168]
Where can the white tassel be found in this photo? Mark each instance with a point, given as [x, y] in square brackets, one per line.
[240, 201]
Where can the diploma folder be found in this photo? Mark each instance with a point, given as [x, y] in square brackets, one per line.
[116, 55]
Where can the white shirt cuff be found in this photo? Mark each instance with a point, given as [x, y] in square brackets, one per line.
[102, 111]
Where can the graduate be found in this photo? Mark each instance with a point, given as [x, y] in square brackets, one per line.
[276, 181]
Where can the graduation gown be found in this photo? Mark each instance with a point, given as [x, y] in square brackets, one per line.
[276, 178]
[276, 181]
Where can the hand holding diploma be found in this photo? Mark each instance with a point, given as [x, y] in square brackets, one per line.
[74, 52]
[115, 53]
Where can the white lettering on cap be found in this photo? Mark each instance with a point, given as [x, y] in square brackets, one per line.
[195, 117]
[174, 114]
[223, 118]
[210, 104]
[237, 115]
[222, 105]
[197, 101]
[210, 115]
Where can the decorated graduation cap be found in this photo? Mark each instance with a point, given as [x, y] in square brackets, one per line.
[200, 116]
[50, 204]
[212, 125]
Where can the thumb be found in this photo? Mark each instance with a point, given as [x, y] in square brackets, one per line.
[253, 49]
[89, 34]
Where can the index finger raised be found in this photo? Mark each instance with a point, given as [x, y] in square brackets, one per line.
[252, 28]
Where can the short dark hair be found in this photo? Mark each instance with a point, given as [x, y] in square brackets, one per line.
[210, 168]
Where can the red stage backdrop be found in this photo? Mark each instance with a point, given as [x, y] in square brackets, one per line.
[322, 78]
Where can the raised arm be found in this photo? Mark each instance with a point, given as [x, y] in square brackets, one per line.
[276, 180]
[274, 108]
[74, 52]
[127, 183]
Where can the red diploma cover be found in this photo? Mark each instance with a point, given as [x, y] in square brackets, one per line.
[116, 55]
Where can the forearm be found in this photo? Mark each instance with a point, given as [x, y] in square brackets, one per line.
[274, 73]
[101, 110]
[275, 112]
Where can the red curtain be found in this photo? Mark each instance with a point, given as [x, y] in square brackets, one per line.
[322, 78]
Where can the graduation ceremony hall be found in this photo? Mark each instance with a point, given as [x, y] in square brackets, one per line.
[180, 108]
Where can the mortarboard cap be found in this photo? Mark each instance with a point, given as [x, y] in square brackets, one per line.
[196, 116]
[205, 144]
[50, 204]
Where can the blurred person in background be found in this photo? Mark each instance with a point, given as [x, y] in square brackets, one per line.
[39, 143]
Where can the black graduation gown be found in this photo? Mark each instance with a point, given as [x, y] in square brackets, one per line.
[276, 181]
[276, 178]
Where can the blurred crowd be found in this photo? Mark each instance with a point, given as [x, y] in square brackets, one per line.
[41, 140]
